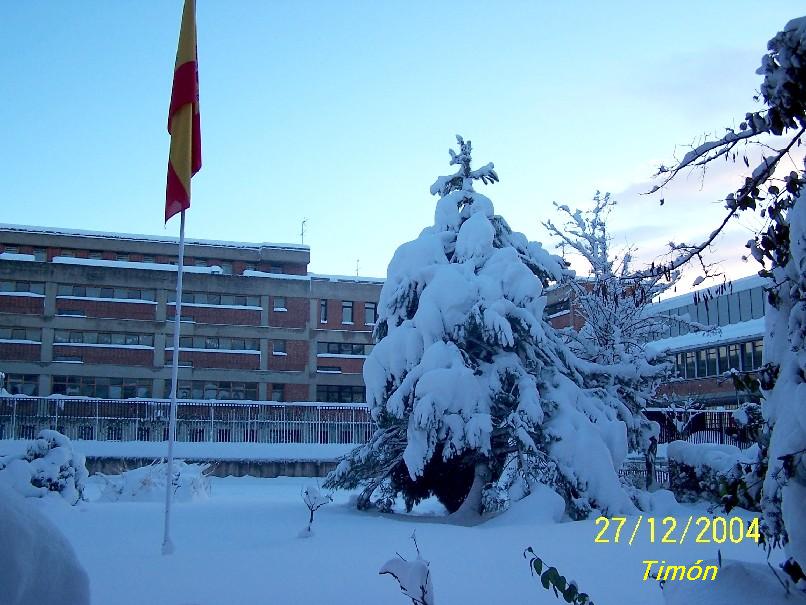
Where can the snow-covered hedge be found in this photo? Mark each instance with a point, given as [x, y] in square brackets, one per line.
[709, 471]
[147, 483]
[49, 465]
[37, 564]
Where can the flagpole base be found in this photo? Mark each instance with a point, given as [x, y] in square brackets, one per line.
[167, 547]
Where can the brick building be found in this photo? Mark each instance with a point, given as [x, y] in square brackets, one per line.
[88, 313]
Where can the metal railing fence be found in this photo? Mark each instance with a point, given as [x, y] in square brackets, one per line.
[197, 420]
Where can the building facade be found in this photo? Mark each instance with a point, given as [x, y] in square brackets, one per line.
[92, 314]
[729, 336]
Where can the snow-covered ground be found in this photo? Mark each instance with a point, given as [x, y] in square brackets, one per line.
[241, 546]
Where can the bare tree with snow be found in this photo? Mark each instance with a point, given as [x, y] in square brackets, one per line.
[780, 246]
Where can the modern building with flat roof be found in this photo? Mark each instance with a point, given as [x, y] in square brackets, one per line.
[91, 314]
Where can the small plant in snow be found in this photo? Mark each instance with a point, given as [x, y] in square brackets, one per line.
[147, 483]
[49, 465]
[550, 578]
[414, 577]
[314, 500]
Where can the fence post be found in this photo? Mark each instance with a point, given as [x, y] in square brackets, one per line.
[97, 422]
[14, 420]
[212, 422]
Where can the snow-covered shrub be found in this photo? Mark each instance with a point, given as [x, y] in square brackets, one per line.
[468, 375]
[37, 564]
[711, 472]
[147, 483]
[314, 500]
[414, 577]
[49, 465]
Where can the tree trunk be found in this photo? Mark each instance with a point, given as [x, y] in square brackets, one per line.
[470, 510]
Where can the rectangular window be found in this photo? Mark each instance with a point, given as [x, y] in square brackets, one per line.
[22, 384]
[275, 269]
[758, 353]
[370, 313]
[40, 254]
[278, 347]
[323, 311]
[701, 367]
[279, 303]
[329, 369]
[734, 361]
[691, 364]
[340, 394]
[724, 366]
[226, 268]
[747, 356]
[278, 392]
[710, 362]
[122, 257]
[95, 256]
[346, 311]
[680, 365]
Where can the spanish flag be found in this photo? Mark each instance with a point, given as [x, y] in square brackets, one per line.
[184, 124]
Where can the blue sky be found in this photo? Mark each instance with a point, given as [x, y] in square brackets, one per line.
[342, 113]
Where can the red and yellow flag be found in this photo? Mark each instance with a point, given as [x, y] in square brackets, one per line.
[184, 124]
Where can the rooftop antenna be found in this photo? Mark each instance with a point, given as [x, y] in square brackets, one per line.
[357, 261]
[302, 230]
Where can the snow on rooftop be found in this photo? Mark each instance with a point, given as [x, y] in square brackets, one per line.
[15, 256]
[349, 278]
[120, 264]
[148, 238]
[744, 330]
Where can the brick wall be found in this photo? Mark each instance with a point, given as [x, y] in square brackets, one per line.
[296, 315]
[108, 355]
[27, 305]
[116, 310]
[334, 317]
[295, 359]
[217, 315]
[216, 359]
[296, 392]
[347, 365]
[697, 386]
[19, 351]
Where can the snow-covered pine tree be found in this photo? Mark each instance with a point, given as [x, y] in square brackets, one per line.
[474, 393]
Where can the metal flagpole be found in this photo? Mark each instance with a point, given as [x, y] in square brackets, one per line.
[167, 544]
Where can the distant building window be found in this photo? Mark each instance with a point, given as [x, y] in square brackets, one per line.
[101, 387]
[278, 392]
[275, 269]
[22, 286]
[11, 249]
[347, 312]
[67, 253]
[219, 343]
[122, 257]
[206, 298]
[340, 394]
[278, 347]
[40, 254]
[342, 348]
[370, 313]
[207, 389]
[22, 384]
[14, 333]
[323, 311]
[200, 262]
[226, 268]
[279, 303]
[95, 256]
[329, 369]
[148, 258]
